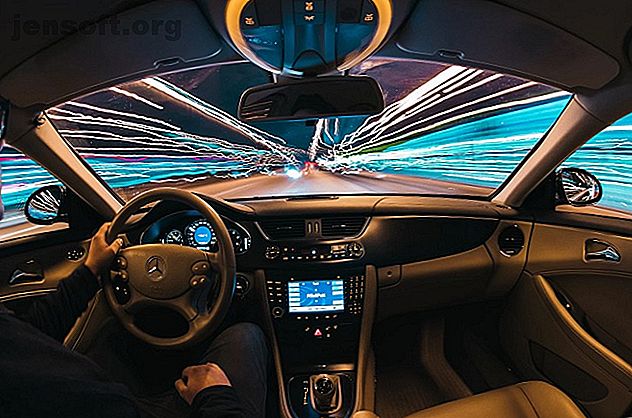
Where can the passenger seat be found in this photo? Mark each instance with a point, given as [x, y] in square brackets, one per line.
[524, 400]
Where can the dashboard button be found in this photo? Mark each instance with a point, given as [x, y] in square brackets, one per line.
[277, 312]
[272, 252]
[242, 285]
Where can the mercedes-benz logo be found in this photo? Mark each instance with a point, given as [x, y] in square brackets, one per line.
[155, 268]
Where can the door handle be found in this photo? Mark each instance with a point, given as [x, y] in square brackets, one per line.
[28, 272]
[597, 250]
[22, 277]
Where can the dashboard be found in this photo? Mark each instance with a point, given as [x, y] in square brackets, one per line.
[189, 228]
[426, 252]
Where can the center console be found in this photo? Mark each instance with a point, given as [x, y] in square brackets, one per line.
[317, 318]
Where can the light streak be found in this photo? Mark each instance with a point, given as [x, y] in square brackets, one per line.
[130, 148]
[137, 97]
[274, 144]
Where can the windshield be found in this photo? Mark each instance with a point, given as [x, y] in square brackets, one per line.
[446, 130]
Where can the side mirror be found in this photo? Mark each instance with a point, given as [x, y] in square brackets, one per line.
[577, 187]
[315, 98]
[47, 206]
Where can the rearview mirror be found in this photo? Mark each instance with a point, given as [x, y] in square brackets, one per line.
[577, 187]
[322, 97]
[47, 206]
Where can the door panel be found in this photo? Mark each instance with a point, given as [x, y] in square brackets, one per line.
[34, 266]
[568, 319]
[602, 304]
[599, 290]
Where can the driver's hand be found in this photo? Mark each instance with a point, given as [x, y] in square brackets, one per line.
[100, 254]
[197, 378]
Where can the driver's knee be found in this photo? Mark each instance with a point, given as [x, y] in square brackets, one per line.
[246, 334]
[243, 340]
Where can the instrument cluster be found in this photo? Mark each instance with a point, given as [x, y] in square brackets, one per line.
[190, 229]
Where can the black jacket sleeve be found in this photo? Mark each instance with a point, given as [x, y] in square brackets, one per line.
[56, 313]
[217, 402]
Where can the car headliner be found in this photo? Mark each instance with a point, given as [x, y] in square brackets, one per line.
[605, 25]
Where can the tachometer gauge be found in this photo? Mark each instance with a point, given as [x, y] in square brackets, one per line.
[200, 234]
[173, 237]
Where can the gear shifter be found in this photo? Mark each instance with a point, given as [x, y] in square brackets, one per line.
[325, 393]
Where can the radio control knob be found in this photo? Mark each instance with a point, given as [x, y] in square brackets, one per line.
[272, 252]
[277, 312]
[355, 249]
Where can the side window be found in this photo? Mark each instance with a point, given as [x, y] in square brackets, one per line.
[608, 156]
[19, 177]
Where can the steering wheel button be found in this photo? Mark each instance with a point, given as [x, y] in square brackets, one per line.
[121, 262]
[121, 293]
[201, 267]
[197, 280]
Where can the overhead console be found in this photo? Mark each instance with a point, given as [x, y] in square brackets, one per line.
[316, 36]
[303, 38]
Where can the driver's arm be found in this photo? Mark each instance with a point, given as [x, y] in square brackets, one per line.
[209, 392]
[55, 314]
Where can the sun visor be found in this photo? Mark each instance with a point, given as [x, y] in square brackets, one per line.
[486, 34]
[164, 33]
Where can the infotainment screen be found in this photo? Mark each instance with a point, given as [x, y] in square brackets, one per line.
[316, 296]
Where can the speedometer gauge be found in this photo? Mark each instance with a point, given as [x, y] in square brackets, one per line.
[200, 234]
[173, 237]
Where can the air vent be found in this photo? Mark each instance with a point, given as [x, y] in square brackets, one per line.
[511, 240]
[342, 226]
[284, 228]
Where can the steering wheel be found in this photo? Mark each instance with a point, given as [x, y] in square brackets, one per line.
[196, 284]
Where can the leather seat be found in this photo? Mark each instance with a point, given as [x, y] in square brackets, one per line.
[524, 400]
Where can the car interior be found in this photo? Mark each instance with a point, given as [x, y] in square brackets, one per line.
[426, 205]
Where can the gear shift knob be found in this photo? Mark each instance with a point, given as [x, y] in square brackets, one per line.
[326, 396]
